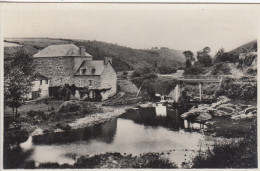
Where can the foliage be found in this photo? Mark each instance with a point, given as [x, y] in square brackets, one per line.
[69, 106]
[166, 70]
[238, 89]
[17, 79]
[241, 154]
[221, 69]
[222, 56]
[189, 57]
[204, 58]
[64, 93]
[33, 113]
[44, 100]
[197, 69]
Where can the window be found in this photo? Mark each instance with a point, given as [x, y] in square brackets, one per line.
[40, 82]
[46, 81]
[93, 71]
[83, 71]
[90, 82]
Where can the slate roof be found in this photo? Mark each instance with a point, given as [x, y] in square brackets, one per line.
[97, 65]
[38, 76]
[60, 50]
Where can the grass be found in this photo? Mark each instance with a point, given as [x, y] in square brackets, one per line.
[229, 128]
[112, 160]
[46, 117]
[241, 154]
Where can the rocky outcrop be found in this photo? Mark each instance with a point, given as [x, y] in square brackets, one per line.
[222, 107]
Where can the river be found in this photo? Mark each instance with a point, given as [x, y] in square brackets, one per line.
[155, 129]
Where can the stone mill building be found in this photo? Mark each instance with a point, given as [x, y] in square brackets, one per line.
[71, 65]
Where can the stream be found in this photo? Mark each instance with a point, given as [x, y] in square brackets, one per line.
[154, 129]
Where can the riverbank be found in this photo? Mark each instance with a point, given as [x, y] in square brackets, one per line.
[60, 116]
[110, 160]
[229, 119]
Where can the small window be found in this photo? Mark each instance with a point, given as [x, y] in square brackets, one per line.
[40, 82]
[90, 82]
[83, 71]
[46, 81]
[93, 71]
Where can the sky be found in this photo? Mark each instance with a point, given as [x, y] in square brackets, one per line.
[141, 26]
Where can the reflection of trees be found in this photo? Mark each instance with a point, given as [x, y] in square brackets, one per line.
[148, 117]
[14, 157]
[104, 132]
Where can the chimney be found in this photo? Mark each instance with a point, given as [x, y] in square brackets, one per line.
[107, 59]
[82, 50]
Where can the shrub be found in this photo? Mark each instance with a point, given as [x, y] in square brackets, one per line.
[33, 113]
[69, 106]
[237, 90]
[166, 70]
[44, 100]
[221, 69]
[194, 70]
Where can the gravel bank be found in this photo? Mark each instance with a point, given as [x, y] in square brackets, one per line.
[96, 118]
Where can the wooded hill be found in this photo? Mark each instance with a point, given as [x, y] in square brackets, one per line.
[124, 58]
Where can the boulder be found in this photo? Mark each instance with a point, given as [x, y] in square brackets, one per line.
[203, 117]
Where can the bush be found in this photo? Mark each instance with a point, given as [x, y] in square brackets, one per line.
[44, 100]
[221, 69]
[166, 70]
[69, 106]
[237, 90]
[194, 70]
[34, 113]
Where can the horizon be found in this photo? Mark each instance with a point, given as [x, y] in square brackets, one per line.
[142, 26]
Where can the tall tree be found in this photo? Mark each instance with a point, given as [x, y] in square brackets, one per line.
[17, 79]
[204, 58]
[189, 58]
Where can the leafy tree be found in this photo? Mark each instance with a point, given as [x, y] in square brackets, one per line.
[189, 57]
[166, 70]
[17, 79]
[204, 58]
[222, 56]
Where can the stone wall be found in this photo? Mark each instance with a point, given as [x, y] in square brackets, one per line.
[84, 80]
[60, 70]
[109, 80]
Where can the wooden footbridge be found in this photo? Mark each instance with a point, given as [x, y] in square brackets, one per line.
[202, 78]
[199, 79]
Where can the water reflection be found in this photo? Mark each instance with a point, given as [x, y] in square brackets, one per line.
[153, 117]
[136, 131]
[161, 110]
[103, 132]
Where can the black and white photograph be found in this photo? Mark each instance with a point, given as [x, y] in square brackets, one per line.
[129, 85]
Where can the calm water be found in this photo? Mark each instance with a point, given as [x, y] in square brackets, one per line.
[135, 132]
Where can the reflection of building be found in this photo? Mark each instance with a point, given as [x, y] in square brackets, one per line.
[160, 110]
[69, 64]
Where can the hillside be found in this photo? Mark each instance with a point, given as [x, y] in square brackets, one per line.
[124, 58]
[248, 47]
[246, 63]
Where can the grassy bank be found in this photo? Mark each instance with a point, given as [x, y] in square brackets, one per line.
[241, 154]
[111, 160]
